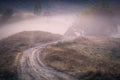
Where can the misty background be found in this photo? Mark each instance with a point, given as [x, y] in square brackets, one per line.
[65, 17]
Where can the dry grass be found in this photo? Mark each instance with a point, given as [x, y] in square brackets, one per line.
[89, 58]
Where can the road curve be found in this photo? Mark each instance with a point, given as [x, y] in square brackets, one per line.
[30, 67]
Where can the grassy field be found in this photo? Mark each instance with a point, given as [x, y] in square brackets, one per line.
[11, 47]
[91, 58]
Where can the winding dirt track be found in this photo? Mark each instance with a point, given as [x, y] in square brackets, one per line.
[31, 67]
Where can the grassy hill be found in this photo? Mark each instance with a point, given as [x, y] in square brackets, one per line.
[91, 58]
[11, 46]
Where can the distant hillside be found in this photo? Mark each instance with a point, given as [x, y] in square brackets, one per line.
[91, 58]
[11, 46]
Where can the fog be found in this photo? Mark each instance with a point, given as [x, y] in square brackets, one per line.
[97, 25]
[61, 18]
[55, 24]
[92, 25]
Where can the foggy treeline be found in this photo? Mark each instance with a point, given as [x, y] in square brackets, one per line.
[99, 20]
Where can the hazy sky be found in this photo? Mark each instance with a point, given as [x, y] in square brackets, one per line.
[28, 4]
[62, 14]
[54, 24]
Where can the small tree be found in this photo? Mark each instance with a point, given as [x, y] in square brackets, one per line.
[7, 13]
[37, 9]
[103, 8]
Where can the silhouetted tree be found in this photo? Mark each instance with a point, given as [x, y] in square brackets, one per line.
[7, 13]
[37, 9]
[103, 8]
